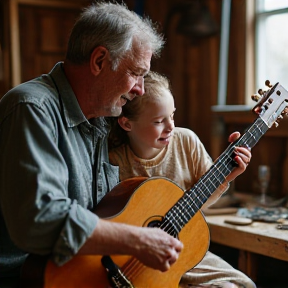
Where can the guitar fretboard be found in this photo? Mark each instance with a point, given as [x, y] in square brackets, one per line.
[191, 202]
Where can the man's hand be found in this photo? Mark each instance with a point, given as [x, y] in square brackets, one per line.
[243, 157]
[151, 246]
[157, 249]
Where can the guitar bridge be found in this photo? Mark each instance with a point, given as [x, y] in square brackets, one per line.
[116, 278]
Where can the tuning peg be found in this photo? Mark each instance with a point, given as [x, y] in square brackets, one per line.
[276, 124]
[268, 84]
[261, 92]
[255, 97]
[280, 117]
[285, 111]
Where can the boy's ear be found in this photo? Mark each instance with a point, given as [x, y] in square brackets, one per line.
[124, 123]
[97, 59]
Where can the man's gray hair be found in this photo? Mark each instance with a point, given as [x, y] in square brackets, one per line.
[115, 27]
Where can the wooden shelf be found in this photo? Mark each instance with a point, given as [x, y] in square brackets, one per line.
[242, 115]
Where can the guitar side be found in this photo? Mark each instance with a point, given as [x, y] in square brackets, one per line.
[150, 201]
[153, 199]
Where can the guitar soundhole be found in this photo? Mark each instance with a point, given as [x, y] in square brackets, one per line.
[164, 225]
[154, 224]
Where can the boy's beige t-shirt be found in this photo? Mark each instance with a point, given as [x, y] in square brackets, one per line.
[184, 160]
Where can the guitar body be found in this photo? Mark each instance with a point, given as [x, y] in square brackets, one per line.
[141, 202]
[149, 202]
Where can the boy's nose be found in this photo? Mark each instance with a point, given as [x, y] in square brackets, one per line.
[170, 125]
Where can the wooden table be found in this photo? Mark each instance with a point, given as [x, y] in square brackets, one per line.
[258, 237]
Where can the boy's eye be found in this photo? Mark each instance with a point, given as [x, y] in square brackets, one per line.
[158, 122]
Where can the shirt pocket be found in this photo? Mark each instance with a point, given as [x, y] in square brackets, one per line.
[110, 178]
[112, 175]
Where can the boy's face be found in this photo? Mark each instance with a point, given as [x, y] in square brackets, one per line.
[152, 130]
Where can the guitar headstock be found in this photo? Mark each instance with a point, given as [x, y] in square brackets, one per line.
[272, 103]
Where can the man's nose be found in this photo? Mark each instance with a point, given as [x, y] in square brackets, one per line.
[138, 88]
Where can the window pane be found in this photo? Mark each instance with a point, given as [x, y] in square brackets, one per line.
[272, 52]
[269, 5]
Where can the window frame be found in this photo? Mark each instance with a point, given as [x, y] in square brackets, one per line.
[260, 17]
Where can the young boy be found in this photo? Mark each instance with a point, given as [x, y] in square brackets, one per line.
[146, 143]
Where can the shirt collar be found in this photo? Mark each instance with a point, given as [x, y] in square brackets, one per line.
[72, 111]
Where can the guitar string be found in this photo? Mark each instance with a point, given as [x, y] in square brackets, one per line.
[251, 141]
[133, 267]
[230, 152]
[216, 172]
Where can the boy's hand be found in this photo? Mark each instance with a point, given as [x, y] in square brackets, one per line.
[243, 157]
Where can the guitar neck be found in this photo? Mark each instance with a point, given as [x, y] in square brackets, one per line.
[193, 199]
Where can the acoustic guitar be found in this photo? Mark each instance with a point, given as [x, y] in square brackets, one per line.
[158, 202]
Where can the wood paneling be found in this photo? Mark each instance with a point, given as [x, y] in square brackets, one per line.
[24, 24]
[4, 49]
[236, 68]
[191, 66]
[44, 35]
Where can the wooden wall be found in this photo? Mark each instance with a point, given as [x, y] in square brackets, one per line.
[191, 66]
[4, 49]
[43, 35]
[193, 71]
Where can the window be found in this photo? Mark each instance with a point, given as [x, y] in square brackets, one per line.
[271, 42]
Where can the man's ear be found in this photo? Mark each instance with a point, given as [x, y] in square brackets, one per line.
[124, 123]
[97, 59]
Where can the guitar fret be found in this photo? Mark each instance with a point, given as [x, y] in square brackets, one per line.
[187, 204]
[181, 213]
[129, 271]
[184, 209]
[192, 202]
[174, 215]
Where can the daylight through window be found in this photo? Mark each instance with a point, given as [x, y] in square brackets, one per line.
[271, 53]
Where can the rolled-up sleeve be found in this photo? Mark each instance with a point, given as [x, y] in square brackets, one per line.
[41, 213]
